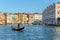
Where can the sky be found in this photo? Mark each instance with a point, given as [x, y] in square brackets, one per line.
[27, 6]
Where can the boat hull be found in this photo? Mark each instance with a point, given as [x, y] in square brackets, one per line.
[17, 29]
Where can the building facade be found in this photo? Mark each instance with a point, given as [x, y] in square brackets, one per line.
[2, 18]
[38, 16]
[20, 17]
[51, 14]
[23, 18]
[24, 21]
[12, 18]
[30, 18]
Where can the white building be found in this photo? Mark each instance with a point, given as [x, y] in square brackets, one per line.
[24, 21]
[30, 18]
[12, 18]
[51, 15]
[38, 16]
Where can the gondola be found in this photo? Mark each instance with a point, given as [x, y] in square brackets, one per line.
[18, 28]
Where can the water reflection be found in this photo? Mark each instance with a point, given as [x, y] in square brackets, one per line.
[31, 32]
[57, 31]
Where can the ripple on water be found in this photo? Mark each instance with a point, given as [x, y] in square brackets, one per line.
[31, 32]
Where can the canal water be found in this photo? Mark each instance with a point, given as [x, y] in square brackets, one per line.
[31, 32]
